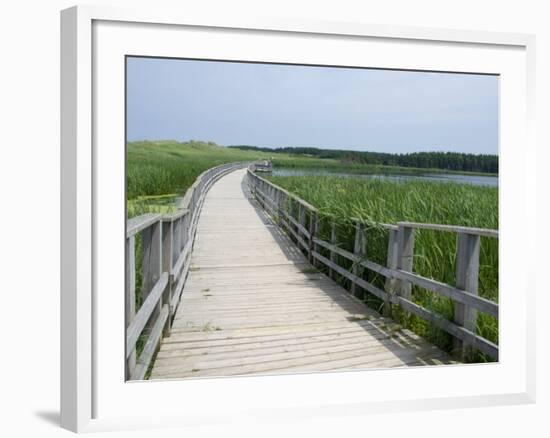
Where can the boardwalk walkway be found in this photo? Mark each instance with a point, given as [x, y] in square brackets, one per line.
[253, 304]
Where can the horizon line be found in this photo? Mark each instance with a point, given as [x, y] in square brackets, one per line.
[274, 148]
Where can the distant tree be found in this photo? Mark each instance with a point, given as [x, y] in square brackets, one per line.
[426, 160]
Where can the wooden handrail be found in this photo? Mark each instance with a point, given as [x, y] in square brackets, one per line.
[399, 270]
[451, 228]
[166, 242]
[139, 223]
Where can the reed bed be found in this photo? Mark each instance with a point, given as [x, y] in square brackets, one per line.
[376, 201]
[159, 171]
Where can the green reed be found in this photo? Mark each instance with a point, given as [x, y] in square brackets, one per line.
[376, 201]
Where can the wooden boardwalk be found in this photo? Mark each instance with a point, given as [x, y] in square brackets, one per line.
[253, 304]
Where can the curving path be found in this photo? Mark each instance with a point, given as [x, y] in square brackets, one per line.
[253, 304]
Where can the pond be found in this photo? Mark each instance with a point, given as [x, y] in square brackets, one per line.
[478, 180]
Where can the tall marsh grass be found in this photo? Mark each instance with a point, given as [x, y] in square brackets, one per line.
[378, 201]
[159, 171]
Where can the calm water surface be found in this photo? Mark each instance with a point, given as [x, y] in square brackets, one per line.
[477, 180]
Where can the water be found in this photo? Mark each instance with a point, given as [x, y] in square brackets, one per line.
[478, 180]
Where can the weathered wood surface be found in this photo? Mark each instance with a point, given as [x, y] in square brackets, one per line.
[252, 304]
[399, 269]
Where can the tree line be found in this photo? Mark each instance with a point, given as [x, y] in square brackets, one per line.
[435, 160]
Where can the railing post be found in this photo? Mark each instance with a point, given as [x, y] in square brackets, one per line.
[467, 275]
[177, 237]
[391, 263]
[302, 222]
[252, 184]
[277, 206]
[167, 264]
[260, 198]
[333, 255]
[360, 250]
[281, 206]
[151, 267]
[271, 198]
[186, 228]
[405, 251]
[280, 209]
[130, 297]
[313, 229]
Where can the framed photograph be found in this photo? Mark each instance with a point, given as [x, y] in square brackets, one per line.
[257, 208]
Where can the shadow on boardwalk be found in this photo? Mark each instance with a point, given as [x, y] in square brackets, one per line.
[252, 304]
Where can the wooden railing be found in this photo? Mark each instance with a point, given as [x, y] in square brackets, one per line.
[263, 166]
[166, 244]
[301, 221]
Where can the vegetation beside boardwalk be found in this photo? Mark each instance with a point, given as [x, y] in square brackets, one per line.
[381, 201]
[160, 171]
[337, 166]
[434, 161]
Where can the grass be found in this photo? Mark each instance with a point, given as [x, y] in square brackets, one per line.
[159, 171]
[381, 201]
[332, 165]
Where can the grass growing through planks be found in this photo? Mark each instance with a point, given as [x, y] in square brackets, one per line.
[381, 201]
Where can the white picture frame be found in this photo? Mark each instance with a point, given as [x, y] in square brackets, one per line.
[92, 402]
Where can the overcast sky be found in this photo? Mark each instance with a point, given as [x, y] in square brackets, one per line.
[339, 108]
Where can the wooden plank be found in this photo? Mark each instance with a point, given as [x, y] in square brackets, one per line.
[252, 303]
[280, 335]
[136, 224]
[143, 315]
[151, 345]
[380, 359]
[268, 203]
[273, 298]
[179, 288]
[182, 258]
[390, 285]
[130, 297]
[174, 216]
[151, 257]
[295, 353]
[225, 349]
[294, 233]
[253, 297]
[362, 283]
[245, 334]
[313, 230]
[177, 229]
[360, 251]
[462, 297]
[167, 261]
[405, 257]
[301, 223]
[266, 314]
[388, 273]
[370, 223]
[458, 295]
[467, 275]
[291, 363]
[451, 228]
[286, 192]
[333, 255]
[455, 330]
